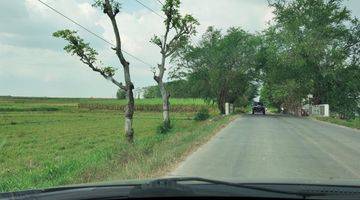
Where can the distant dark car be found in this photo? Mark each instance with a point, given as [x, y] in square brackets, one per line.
[258, 107]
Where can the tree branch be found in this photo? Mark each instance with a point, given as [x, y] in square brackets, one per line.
[111, 14]
[86, 60]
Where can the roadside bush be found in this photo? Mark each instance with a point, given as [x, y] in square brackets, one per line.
[241, 110]
[202, 114]
[162, 129]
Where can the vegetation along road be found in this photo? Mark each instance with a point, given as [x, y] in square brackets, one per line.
[276, 146]
[47, 142]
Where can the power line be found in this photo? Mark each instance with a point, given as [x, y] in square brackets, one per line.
[150, 9]
[93, 33]
[160, 2]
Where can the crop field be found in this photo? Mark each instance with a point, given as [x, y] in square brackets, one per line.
[55, 104]
[51, 142]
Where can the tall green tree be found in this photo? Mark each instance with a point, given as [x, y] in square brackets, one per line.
[220, 68]
[306, 49]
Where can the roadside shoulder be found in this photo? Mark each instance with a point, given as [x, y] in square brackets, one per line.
[196, 146]
[334, 124]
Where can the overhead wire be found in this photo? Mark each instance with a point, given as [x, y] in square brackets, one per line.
[152, 10]
[160, 2]
[93, 33]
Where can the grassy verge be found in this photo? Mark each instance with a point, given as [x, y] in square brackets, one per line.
[352, 123]
[43, 149]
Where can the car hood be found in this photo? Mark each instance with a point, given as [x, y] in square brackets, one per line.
[285, 181]
[202, 186]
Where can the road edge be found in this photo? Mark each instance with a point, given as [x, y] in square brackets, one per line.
[333, 124]
[198, 146]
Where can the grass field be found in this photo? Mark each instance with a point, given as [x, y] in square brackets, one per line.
[46, 147]
[16, 104]
[75, 101]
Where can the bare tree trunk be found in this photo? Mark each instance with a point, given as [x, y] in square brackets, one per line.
[317, 99]
[165, 99]
[159, 78]
[221, 101]
[164, 94]
[166, 104]
[221, 107]
[130, 107]
[129, 110]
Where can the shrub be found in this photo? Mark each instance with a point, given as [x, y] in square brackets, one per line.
[163, 129]
[202, 114]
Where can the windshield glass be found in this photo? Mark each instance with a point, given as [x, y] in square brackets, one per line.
[103, 91]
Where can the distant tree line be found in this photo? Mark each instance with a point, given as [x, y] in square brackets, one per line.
[176, 89]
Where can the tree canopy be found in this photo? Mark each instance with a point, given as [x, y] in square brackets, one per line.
[221, 68]
[311, 49]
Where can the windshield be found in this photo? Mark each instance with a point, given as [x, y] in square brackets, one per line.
[258, 104]
[103, 91]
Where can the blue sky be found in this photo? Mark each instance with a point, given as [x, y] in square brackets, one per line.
[32, 62]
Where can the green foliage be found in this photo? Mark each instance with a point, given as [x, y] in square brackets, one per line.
[243, 98]
[176, 89]
[155, 101]
[163, 128]
[109, 71]
[311, 49]
[152, 92]
[143, 107]
[121, 94]
[156, 40]
[77, 46]
[42, 108]
[202, 114]
[352, 123]
[12, 104]
[182, 28]
[222, 68]
[47, 149]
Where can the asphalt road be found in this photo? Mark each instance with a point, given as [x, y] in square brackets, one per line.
[277, 147]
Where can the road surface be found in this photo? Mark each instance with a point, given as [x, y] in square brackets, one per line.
[277, 147]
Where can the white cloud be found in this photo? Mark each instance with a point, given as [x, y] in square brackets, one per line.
[136, 29]
[249, 15]
[49, 71]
